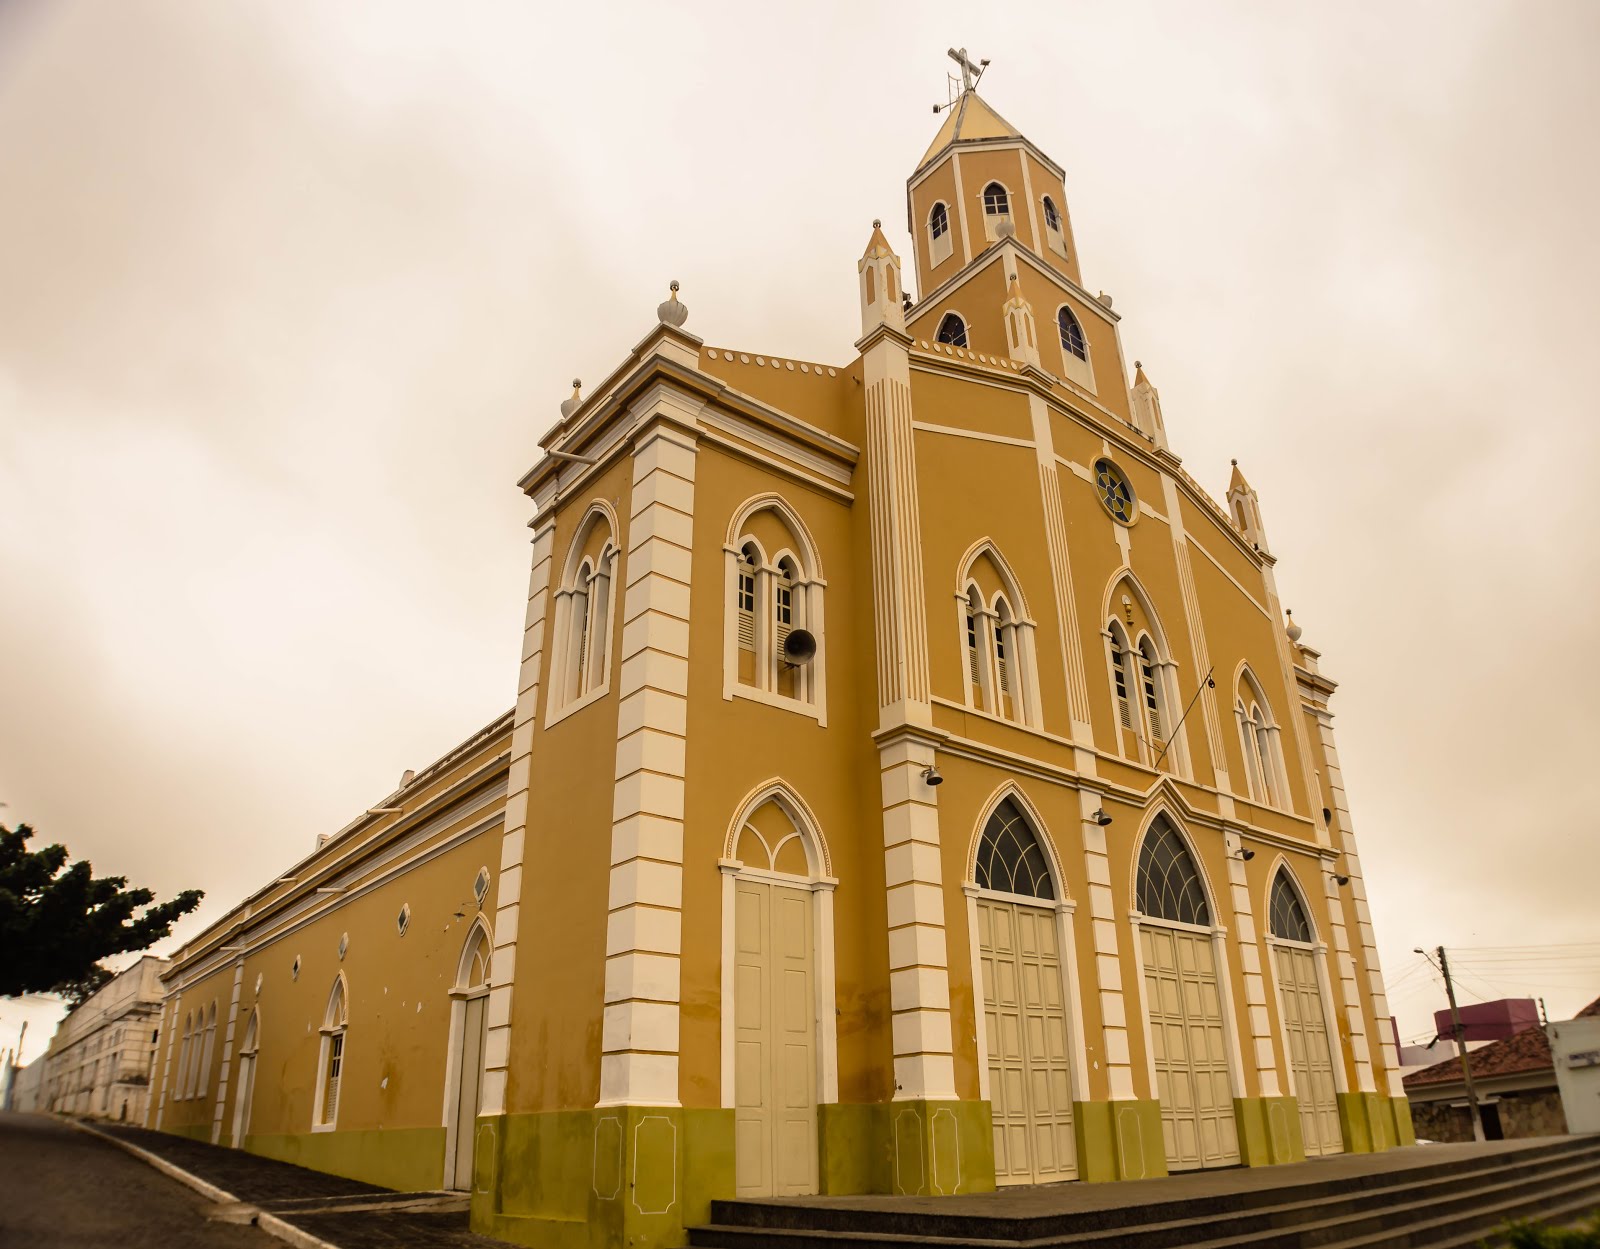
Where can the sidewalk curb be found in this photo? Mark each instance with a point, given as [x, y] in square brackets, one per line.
[272, 1224]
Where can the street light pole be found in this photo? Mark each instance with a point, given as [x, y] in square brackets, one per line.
[1461, 1047]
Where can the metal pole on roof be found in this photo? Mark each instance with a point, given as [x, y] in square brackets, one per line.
[1461, 1048]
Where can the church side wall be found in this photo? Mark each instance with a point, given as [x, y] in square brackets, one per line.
[389, 1127]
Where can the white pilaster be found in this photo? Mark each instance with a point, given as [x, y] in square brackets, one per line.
[919, 978]
[1103, 927]
[227, 1053]
[639, 1037]
[1262, 1053]
[508, 902]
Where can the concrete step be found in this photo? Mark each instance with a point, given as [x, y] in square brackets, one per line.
[1473, 1192]
[894, 1218]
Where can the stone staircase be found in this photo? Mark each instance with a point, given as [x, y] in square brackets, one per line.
[1448, 1204]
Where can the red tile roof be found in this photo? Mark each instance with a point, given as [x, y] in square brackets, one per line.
[1525, 1053]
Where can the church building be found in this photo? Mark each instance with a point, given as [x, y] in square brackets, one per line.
[915, 785]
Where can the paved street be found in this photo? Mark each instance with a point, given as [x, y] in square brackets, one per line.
[61, 1188]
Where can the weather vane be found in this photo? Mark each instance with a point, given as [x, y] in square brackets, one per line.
[970, 73]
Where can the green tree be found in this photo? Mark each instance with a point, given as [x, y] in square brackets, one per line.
[58, 921]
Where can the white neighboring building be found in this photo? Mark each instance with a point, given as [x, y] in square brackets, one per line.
[1575, 1051]
[99, 1060]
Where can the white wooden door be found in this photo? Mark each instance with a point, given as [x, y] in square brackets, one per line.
[1310, 1052]
[1025, 1026]
[1189, 1048]
[241, 1104]
[469, 1084]
[775, 1072]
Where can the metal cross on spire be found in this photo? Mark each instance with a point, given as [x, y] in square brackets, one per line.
[970, 71]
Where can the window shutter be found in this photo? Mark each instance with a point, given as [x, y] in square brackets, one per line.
[747, 605]
[330, 1100]
[1000, 654]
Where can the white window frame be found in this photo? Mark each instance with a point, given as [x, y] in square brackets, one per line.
[991, 220]
[808, 592]
[1261, 741]
[335, 1024]
[461, 992]
[585, 608]
[1055, 236]
[940, 246]
[1072, 368]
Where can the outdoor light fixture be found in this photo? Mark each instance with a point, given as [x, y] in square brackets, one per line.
[1338, 879]
[932, 775]
[1099, 817]
[1246, 853]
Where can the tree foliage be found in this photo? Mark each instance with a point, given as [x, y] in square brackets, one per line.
[58, 921]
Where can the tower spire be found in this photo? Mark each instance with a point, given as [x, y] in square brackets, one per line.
[879, 270]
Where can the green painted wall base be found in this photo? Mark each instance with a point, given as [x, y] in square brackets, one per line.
[408, 1159]
[1372, 1122]
[191, 1131]
[1119, 1140]
[939, 1148]
[614, 1175]
[1269, 1130]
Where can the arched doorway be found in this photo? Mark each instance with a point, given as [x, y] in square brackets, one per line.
[1305, 1022]
[1184, 992]
[469, 1000]
[1026, 1043]
[246, 1086]
[778, 1035]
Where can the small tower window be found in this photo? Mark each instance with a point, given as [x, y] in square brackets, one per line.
[1052, 219]
[939, 221]
[996, 203]
[952, 330]
[1071, 332]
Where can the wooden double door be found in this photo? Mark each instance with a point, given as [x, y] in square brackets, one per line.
[1025, 1028]
[1305, 1027]
[1188, 1042]
[775, 1065]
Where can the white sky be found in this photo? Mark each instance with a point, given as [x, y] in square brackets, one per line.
[289, 289]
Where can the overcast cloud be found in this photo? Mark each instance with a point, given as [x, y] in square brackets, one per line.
[289, 290]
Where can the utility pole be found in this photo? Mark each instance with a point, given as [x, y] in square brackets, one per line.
[1461, 1047]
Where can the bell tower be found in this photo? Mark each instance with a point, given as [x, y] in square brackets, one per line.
[981, 181]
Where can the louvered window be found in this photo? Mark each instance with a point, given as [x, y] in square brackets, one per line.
[1151, 701]
[973, 671]
[1119, 676]
[330, 1096]
[747, 603]
[785, 605]
[1000, 655]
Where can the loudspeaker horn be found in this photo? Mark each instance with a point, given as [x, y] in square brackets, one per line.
[799, 648]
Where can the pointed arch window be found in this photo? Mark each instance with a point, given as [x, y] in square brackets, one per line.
[1118, 644]
[1169, 884]
[772, 597]
[1287, 917]
[330, 1068]
[207, 1050]
[996, 203]
[1010, 859]
[1072, 340]
[997, 640]
[1261, 743]
[1052, 219]
[952, 330]
[581, 656]
[181, 1084]
[1153, 689]
[939, 221]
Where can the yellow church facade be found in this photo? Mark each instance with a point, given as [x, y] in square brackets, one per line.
[914, 786]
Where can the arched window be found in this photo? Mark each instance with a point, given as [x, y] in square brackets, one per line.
[952, 330]
[1118, 643]
[995, 201]
[775, 591]
[1010, 859]
[1153, 689]
[938, 221]
[997, 639]
[1260, 742]
[181, 1084]
[580, 663]
[1052, 219]
[1288, 918]
[1169, 883]
[208, 1048]
[1072, 341]
[331, 1066]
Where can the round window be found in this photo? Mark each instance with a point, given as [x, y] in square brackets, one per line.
[1114, 491]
